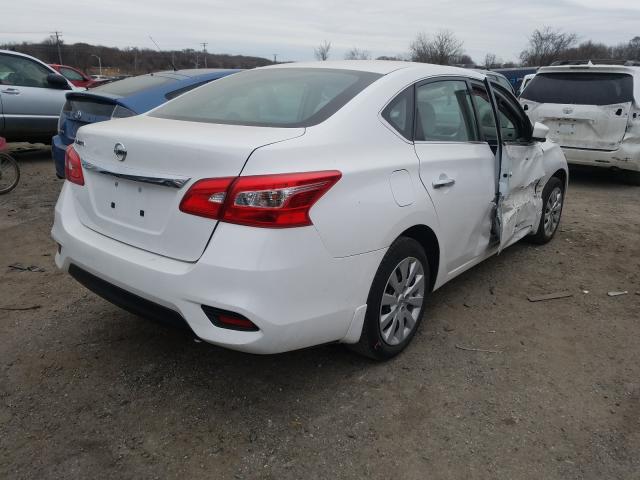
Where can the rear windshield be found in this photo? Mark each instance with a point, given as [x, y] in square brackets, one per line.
[287, 97]
[580, 88]
[133, 85]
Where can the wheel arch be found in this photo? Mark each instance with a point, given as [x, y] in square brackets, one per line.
[426, 237]
[562, 174]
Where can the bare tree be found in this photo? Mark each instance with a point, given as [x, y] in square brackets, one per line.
[443, 48]
[491, 61]
[322, 51]
[547, 45]
[356, 54]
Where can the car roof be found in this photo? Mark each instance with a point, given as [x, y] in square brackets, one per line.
[384, 67]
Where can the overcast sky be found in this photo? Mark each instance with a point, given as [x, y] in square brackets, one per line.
[292, 28]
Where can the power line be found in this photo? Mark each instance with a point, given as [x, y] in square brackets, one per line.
[58, 35]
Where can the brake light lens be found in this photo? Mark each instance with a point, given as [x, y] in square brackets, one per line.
[73, 166]
[206, 197]
[270, 201]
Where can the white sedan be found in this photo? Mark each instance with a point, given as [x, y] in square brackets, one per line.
[303, 204]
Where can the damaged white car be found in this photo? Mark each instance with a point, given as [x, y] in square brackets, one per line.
[302, 204]
[592, 111]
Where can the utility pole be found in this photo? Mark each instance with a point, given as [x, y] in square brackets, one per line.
[204, 51]
[275, 58]
[58, 35]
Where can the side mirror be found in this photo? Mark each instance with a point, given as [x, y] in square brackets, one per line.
[540, 132]
[57, 81]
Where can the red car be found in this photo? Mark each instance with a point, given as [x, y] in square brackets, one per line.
[75, 76]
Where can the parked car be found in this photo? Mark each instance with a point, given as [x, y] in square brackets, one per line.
[515, 75]
[499, 78]
[592, 111]
[31, 96]
[525, 81]
[75, 76]
[302, 204]
[123, 98]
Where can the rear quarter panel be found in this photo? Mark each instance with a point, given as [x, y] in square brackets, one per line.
[359, 214]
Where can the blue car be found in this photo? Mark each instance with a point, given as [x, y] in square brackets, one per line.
[123, 98]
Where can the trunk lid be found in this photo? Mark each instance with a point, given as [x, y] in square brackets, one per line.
[84, 108]
[596, 127]
[136, 201]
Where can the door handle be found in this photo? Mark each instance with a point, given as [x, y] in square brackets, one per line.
[443, 181]
[11, 91]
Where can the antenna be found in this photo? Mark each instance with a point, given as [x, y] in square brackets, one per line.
[158, 47]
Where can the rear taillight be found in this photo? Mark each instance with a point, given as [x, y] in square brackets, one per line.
[206, 197]
[73, 166]
[272, 201]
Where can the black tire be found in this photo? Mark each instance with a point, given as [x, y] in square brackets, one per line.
[545, 235]
[9, 173]
[372, 341]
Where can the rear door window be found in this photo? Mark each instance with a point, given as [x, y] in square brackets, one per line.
[580, 88]
[444, 112]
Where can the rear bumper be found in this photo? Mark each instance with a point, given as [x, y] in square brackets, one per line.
[284, 281]
[58, 148]
[624, 158]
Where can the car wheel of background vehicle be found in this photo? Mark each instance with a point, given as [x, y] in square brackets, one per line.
[552, 203]
[396, 301]
[9, 173]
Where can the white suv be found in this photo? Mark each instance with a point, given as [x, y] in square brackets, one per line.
[302, 204]
[592, 111]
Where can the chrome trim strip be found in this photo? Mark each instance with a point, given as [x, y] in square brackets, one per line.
[164, 181]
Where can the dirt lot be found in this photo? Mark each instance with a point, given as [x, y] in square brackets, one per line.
[90, 391]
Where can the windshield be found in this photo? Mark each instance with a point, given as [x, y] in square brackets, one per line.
[580, 88]
[133, 85]
[284, 97]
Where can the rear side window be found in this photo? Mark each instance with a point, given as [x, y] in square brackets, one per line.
[399, 113]
[444, 112]
[133, 85]
[283, 97]
[580, 88]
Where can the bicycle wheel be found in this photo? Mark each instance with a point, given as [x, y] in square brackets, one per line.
[9, 173]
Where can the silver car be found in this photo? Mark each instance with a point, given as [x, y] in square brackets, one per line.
[31, 97]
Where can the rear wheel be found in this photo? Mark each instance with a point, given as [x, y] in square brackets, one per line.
[552, 203]
[396, 301]
[9, 173]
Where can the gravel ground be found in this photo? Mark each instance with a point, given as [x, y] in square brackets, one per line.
[90, 391]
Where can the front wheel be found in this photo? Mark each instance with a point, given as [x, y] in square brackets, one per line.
[396, 301]
[552, 203]
[9, 173]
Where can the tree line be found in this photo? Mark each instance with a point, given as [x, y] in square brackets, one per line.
[131, 61]
[545, 45]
